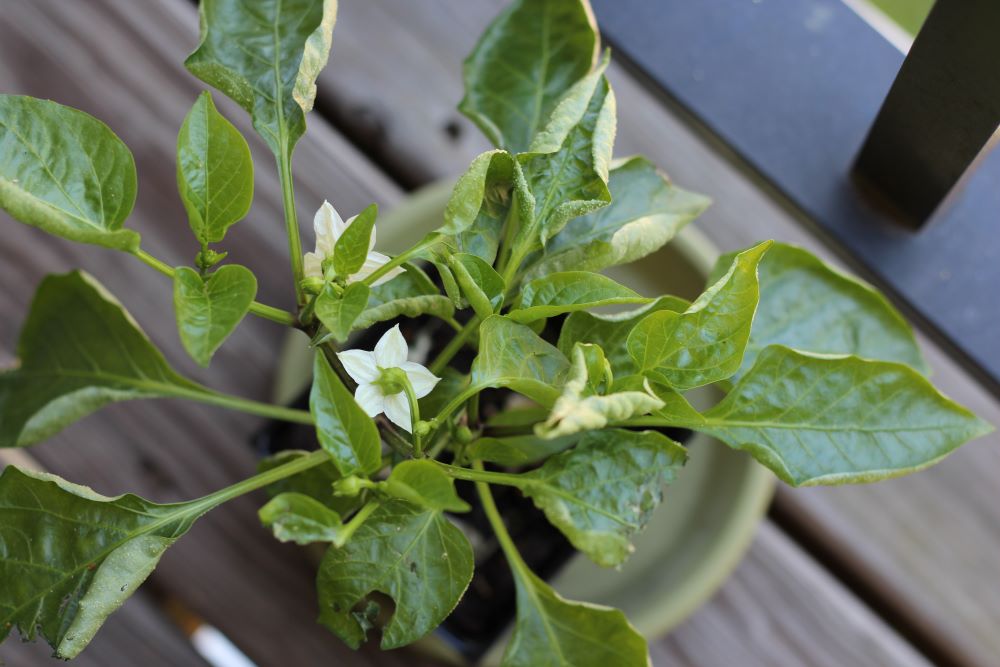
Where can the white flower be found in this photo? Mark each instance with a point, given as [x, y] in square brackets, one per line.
[375, 391]
[329, 226]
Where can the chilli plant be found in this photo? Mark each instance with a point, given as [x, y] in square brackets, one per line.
[823, 382]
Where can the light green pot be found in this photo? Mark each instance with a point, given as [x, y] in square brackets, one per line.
[709, 515]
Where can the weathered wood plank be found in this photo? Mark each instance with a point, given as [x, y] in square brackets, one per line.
[925, 544]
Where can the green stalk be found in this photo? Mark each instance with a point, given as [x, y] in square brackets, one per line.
[411, 397]
[291, 218]
[261, 480]
[211, 397]
[358, 519]
[514, 559]
[399, 260]
[483, 476]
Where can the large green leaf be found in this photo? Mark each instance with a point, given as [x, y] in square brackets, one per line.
[705, 343]
[214, 171]
[424, 483]
[552, 631]
[208, 311]
[518, 450]
[339, 312]
[823, 419]
[646, 211]
[71, 557]
[344, 430]
[604, 490]
[527, 58]
[807, 304]
[569, 291]
[410, 294]
[512, 355]
[65, 172]
[412, 554]
[265, 55]
[296, 517]
[79, 350]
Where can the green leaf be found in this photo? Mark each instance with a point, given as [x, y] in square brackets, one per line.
[453, 382]
[298, 518]
[646, 212]
[66, 173]
[72, 557]
[611, 332]
[570, 291]
[411, 294]
[339, 312]
[316, 482]
[266, 56]
[823, 419]
[551, 630]
[527, 58]
[604, 490]
[425, 484]
[807, 304]
[511, 355]
[412, 554]
[214, 171]
[568, 162]
[705, 343]
[352, 247]
[481, 284]
[518, 450]
[79, 350]
[208, 311]
[344, 430]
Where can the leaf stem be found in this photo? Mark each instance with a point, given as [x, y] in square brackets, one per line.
[212, 397]
[411, 397]
[479, 475]
[453, 346]
[400, 259]
[261, 480]
[284, 158]
[499, 529]
[259, 309]
[358, 519]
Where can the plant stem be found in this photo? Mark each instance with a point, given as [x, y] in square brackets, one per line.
[453, 405]
[399, 259]
[261, 310]
[480, 475]
[284, 158]
[453, 346]
[261, 480]
[211, 397]
[359, 518]
[517, 563]
[411, 397]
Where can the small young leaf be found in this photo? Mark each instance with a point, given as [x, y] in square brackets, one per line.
[214, 171]
[423, 483]
[646, 211]
[344, 430]
[412, 554]
[481, 284]
[527, 58]
[65, 172]
[354, 244]
[823, 419]
[518, 450]
[551, 630]
[266, 57]
[604, 490]
[705, 343]
[511, 355]
[208, 311]
[316, 482]
[339, 312]
[72, 557]
[295, 517]
[409, 295]
[570, 291]
[807, 304]
[79, 350]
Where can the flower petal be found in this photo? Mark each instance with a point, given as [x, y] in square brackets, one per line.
[373, 262]
[360, 365]
[397, 409]
[328, 227]
[312, 265]
[423, 380]
[391, 349]
[370, 398]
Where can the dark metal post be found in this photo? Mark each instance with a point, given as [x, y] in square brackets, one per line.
[941, 111]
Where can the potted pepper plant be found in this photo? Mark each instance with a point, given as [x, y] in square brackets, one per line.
[485, 378]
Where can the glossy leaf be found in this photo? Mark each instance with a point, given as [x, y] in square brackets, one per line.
[527, 58]
[611, 332]
[65, 172]
[480, 283]
[316, 482]
[339, 312]
[79, 350]
[820, 419]
[646, 212]
[208, 311]
[412, 554]
[214, 171]
[71, 557]
[518, 450]
[551, 630]
[298, 518]
[344, 430]
[409, 295]
[266, 56]
[808, 304]
[604, 490]
[705, 343]
[355, 243]
[569, 291]
[424, 483]
[512, 355]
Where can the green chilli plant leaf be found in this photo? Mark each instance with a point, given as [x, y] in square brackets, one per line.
[491, 353]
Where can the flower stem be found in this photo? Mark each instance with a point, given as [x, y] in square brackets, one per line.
[411, 397]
